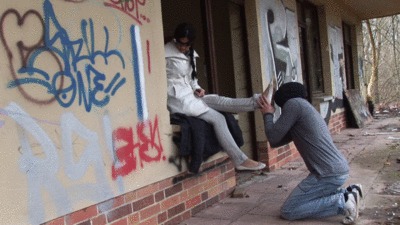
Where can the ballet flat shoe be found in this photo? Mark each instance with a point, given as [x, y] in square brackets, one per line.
[260, 166]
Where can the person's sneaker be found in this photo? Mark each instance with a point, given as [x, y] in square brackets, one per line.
[357, 188]
[351, 208]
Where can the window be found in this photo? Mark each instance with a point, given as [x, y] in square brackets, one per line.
[310, 48]
[348, 56]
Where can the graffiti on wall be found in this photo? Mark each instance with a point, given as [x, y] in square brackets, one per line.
[337, 60]
[130, 8]
[282, 56]
[43, 170]
[76, 67]
[337, 73]
[280, 38]
[79, 78]
[148, 146]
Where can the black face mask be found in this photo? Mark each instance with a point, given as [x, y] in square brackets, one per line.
[288, 91]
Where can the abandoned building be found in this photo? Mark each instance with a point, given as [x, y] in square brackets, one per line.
[86, 134]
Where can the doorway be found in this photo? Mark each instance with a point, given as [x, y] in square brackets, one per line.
[221, 42]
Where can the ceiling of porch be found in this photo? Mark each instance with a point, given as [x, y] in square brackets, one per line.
[368, 9]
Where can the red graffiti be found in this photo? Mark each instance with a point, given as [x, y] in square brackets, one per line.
[148, 146]
[148, 56]
[130, 8]
[125, 153]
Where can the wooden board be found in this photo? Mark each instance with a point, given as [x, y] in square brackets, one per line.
[358, 107]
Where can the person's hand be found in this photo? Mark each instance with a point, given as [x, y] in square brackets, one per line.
[200, 92]
[265, 106]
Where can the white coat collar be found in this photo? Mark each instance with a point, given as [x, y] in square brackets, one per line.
[172, 51]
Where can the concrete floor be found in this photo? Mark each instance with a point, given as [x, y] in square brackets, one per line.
[374, 156]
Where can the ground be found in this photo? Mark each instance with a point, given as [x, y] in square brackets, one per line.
[380, 165]
[373, 153]
[382, 206]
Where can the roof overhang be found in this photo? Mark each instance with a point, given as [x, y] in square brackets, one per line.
[368, 9]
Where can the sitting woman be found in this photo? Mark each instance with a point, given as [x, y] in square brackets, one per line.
[185, 96]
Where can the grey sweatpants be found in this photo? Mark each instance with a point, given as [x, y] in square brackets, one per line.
[217, 120]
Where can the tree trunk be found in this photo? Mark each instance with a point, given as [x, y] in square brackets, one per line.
[372, 84]
[394, 38]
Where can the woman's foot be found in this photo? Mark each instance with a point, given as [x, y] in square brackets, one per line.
[251, 165]
[269, 91]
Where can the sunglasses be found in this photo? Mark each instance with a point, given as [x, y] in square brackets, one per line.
[185, 44]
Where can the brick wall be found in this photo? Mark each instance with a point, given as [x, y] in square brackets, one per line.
[169, 201]
[278, 157]
[337, 122]
[275, 158]
[177, 198]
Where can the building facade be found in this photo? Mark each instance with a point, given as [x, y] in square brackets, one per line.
[85, 132]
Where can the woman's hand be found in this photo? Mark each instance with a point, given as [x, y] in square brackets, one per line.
[265, 106]
[200, 92]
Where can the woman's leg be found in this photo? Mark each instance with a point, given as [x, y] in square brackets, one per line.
[233, 105]
[315, 198]
[217, 120]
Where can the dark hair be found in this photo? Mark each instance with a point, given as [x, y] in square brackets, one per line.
[186, 30]
[289, 90]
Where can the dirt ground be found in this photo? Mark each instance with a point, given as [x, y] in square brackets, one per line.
[383, 207]
[382, 204]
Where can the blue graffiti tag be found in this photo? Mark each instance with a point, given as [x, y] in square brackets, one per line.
[78, 76]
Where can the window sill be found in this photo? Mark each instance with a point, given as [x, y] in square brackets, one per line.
[323, 98]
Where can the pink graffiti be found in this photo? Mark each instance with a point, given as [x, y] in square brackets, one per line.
[130, 8]
[148, 146]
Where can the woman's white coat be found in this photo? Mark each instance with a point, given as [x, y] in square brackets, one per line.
[181, 86]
